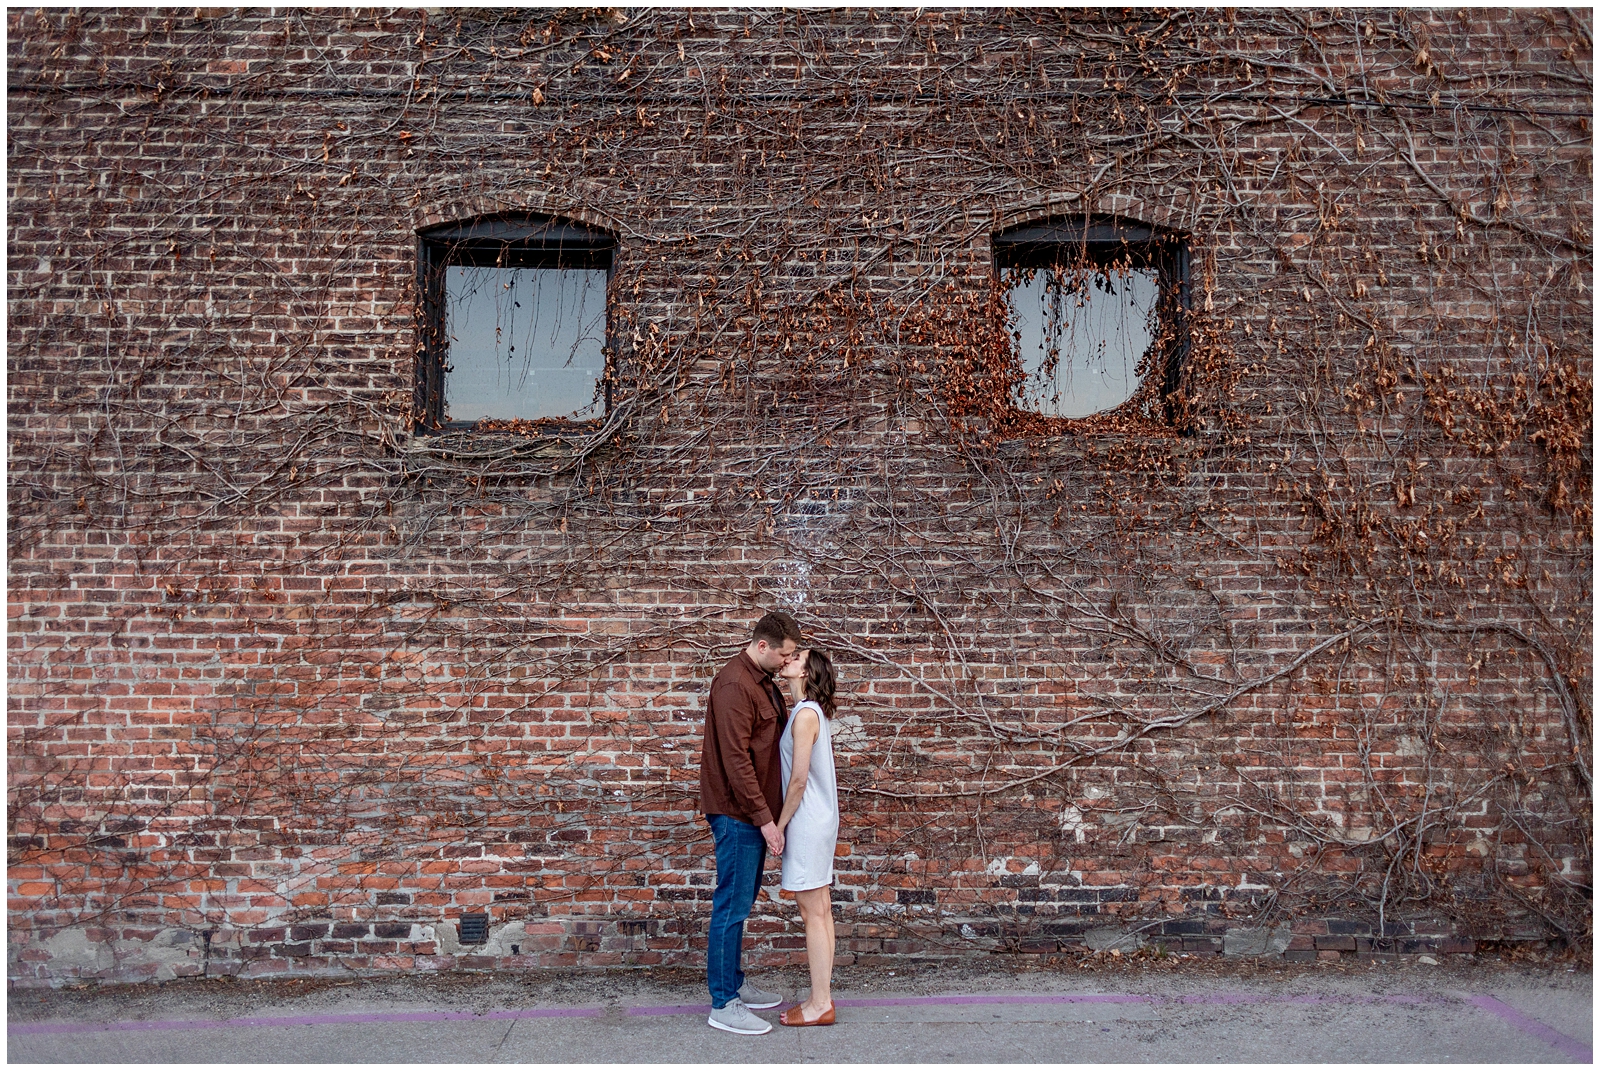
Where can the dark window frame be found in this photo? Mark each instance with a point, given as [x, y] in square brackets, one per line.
[1108, 240]
[520, 241]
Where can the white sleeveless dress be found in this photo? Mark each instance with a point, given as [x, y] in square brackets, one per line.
[813, 832]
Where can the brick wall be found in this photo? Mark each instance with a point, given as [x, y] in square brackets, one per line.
[1302, 669]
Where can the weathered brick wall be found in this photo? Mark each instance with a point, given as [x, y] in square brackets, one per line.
[1304, 669]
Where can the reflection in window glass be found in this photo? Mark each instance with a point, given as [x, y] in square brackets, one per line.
[1081, 333]
[524, 343]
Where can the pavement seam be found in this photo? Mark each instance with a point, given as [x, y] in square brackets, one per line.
[512, 1025]
[1567, 1046]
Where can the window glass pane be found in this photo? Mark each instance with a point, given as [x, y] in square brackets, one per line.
[1081, 333]
[523, 343]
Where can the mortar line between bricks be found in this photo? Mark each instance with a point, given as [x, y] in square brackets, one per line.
[246, 1022]
[1567, 1046]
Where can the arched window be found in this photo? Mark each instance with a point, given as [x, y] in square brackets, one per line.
[514, 321]
[1097, 308]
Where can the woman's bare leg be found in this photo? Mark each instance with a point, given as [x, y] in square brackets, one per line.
[816, 908]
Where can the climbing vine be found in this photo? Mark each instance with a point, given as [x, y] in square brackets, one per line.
[1317, 613]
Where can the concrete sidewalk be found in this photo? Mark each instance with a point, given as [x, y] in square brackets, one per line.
[1182, 1013]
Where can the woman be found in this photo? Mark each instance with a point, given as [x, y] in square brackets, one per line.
[810, 823]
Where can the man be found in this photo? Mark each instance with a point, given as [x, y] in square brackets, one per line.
[741, 795]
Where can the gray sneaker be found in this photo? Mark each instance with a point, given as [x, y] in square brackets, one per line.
[735, 1018]
[758, 999]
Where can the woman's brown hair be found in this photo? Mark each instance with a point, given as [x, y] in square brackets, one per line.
[820, 681]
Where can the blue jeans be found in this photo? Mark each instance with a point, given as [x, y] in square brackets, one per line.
[741, 853]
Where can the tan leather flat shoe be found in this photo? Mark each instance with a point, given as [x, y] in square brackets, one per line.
[794, 1017]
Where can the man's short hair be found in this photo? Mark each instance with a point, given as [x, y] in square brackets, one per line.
[775, 628]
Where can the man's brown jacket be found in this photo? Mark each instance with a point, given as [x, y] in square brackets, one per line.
[741, 774]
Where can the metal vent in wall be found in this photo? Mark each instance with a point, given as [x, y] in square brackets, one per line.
[475, 928]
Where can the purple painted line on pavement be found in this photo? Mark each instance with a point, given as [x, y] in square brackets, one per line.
[1053, 998]
[995, 998]
[672, 1009]
[907, 1002]
[300, 1020]
[1308, 998]
[1570, 1047]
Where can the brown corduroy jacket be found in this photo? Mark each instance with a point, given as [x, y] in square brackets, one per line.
[741, 774]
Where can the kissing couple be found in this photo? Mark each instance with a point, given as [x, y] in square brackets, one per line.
[767, 784]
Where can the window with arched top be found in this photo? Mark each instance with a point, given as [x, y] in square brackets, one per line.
[1096, 310]
[514, 321]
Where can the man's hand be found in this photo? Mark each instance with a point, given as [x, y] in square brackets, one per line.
[774, 838]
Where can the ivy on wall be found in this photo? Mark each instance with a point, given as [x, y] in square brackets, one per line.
[1327, 622]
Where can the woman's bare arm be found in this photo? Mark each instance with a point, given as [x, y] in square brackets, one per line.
[806, 729]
